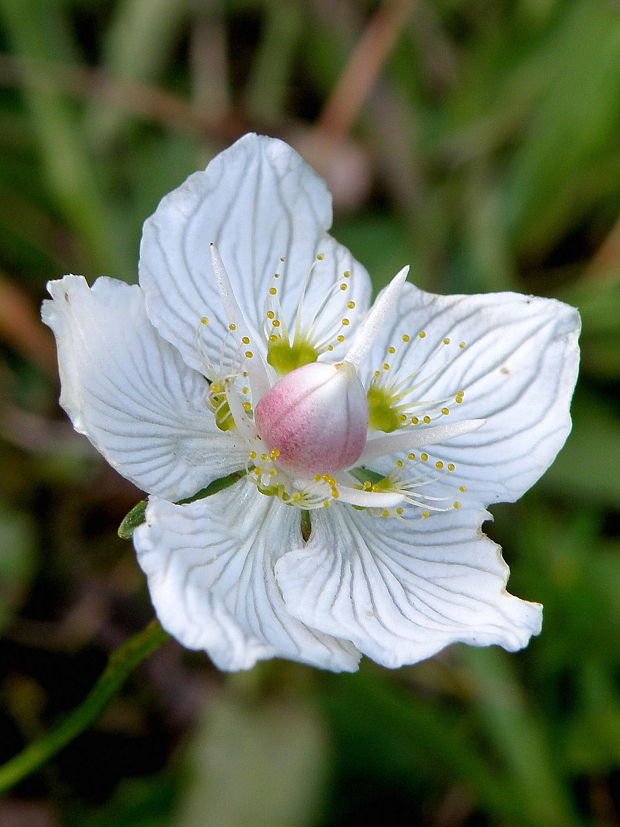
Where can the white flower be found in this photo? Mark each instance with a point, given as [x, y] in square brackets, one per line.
[370, 441]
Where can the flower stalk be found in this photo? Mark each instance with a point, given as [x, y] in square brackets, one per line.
[120, 665]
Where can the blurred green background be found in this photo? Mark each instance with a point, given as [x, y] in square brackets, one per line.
[477, 140]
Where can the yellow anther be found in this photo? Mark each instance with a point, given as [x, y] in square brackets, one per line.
[462, 345]
[426, 514]
[350, 305]
[415, 420]
[344, 286]
[456, 504]
[249, 354]
[451, 466]
[347, 274]
[215, 388]
[232, 326]
[275, 453]
[422, 334]
[345, 322]
[275, 323]
[446, 341]
[445, 411]
[399, 511]
[204, 320]
[462, 489]
[252, 454]
[273, 290]
[423, 457]
[317, 477]
[385, 513]
[264, 456]
[406, 337]
[391, 349]
[367, 485]
[439, 465]
[399, 463]
[402, 417]
[340, 338]
[326, 504]
[410, 456]
[329, 347]
[247, 406]
[272, 472]
[271, 314]
[246, 340]
[386, 366]
[245, 390]
[320, 257]
[274, 338]
[297, 496]
[427, 419]
[335, 493]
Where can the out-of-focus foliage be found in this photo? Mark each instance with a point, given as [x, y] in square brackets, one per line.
[487, 155]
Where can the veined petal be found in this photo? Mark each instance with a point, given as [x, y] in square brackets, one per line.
[131, 394]
[515, 357]
[267, 211]
[210, 567]
[403, 591]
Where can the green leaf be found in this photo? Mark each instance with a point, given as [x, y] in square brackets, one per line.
[132, 520]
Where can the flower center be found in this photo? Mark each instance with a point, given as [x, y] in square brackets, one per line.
[316, 417]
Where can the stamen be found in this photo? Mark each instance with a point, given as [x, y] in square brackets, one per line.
[259, 380]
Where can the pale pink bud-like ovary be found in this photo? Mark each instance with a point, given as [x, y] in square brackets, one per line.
[316, 417]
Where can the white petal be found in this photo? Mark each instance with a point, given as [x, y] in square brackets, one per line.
[131, 394]
[518, 371]
[210, 571]
[402, 591]
[258, 202]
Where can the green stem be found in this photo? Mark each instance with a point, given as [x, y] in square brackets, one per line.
[121, 663]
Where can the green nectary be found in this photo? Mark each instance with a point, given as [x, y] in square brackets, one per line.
[383, 414]
[285, 357]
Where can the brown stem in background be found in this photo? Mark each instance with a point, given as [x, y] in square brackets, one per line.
[142, 100]
[365, 64]
[21, 328]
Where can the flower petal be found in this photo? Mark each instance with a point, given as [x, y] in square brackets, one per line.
[517, 370]
[210, 571]
[131, 394]
[259, 202]
[403, 591]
